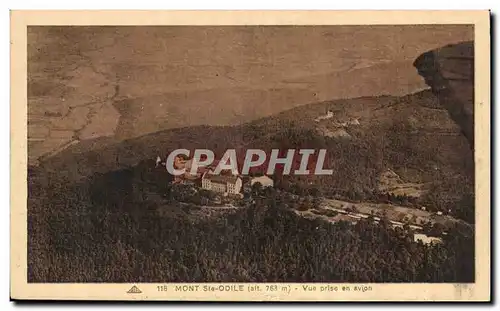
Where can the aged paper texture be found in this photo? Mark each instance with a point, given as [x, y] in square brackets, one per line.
[250, 155]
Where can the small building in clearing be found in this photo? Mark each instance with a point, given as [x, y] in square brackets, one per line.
[328, 115]
[426, 239]
[229, 184]
[264, 180]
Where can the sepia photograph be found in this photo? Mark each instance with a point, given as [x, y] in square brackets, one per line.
[261, 158]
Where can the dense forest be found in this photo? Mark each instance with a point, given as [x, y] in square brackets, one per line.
[110, 229]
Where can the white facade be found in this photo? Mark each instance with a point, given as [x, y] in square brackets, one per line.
[222, 184]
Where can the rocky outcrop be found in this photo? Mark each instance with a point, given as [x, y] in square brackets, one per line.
[449, 71]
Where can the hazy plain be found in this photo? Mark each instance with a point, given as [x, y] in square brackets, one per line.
[124, 82]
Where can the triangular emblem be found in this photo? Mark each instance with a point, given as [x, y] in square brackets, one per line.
[134, 290]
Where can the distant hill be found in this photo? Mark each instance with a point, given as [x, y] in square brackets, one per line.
[124, 82]
[411, 135]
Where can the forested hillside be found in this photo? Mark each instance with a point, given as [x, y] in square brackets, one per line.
[111, 230]
[410, 135]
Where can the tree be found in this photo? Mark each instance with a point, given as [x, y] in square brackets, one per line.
[314, 191]
[256, 188]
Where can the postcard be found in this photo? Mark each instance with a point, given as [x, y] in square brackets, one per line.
[250, 155]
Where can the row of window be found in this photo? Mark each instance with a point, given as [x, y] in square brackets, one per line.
[218, 187]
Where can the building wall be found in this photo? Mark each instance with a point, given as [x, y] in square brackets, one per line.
[217, 187]
[207, 184]
[234, 188]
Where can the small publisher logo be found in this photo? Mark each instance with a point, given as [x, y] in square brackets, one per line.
[134, 290]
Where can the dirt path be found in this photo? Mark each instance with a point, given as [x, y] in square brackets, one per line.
[397, 215]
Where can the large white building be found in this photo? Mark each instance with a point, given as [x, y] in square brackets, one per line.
[229, 184]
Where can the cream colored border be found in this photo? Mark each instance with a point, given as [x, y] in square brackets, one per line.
[480, 291]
